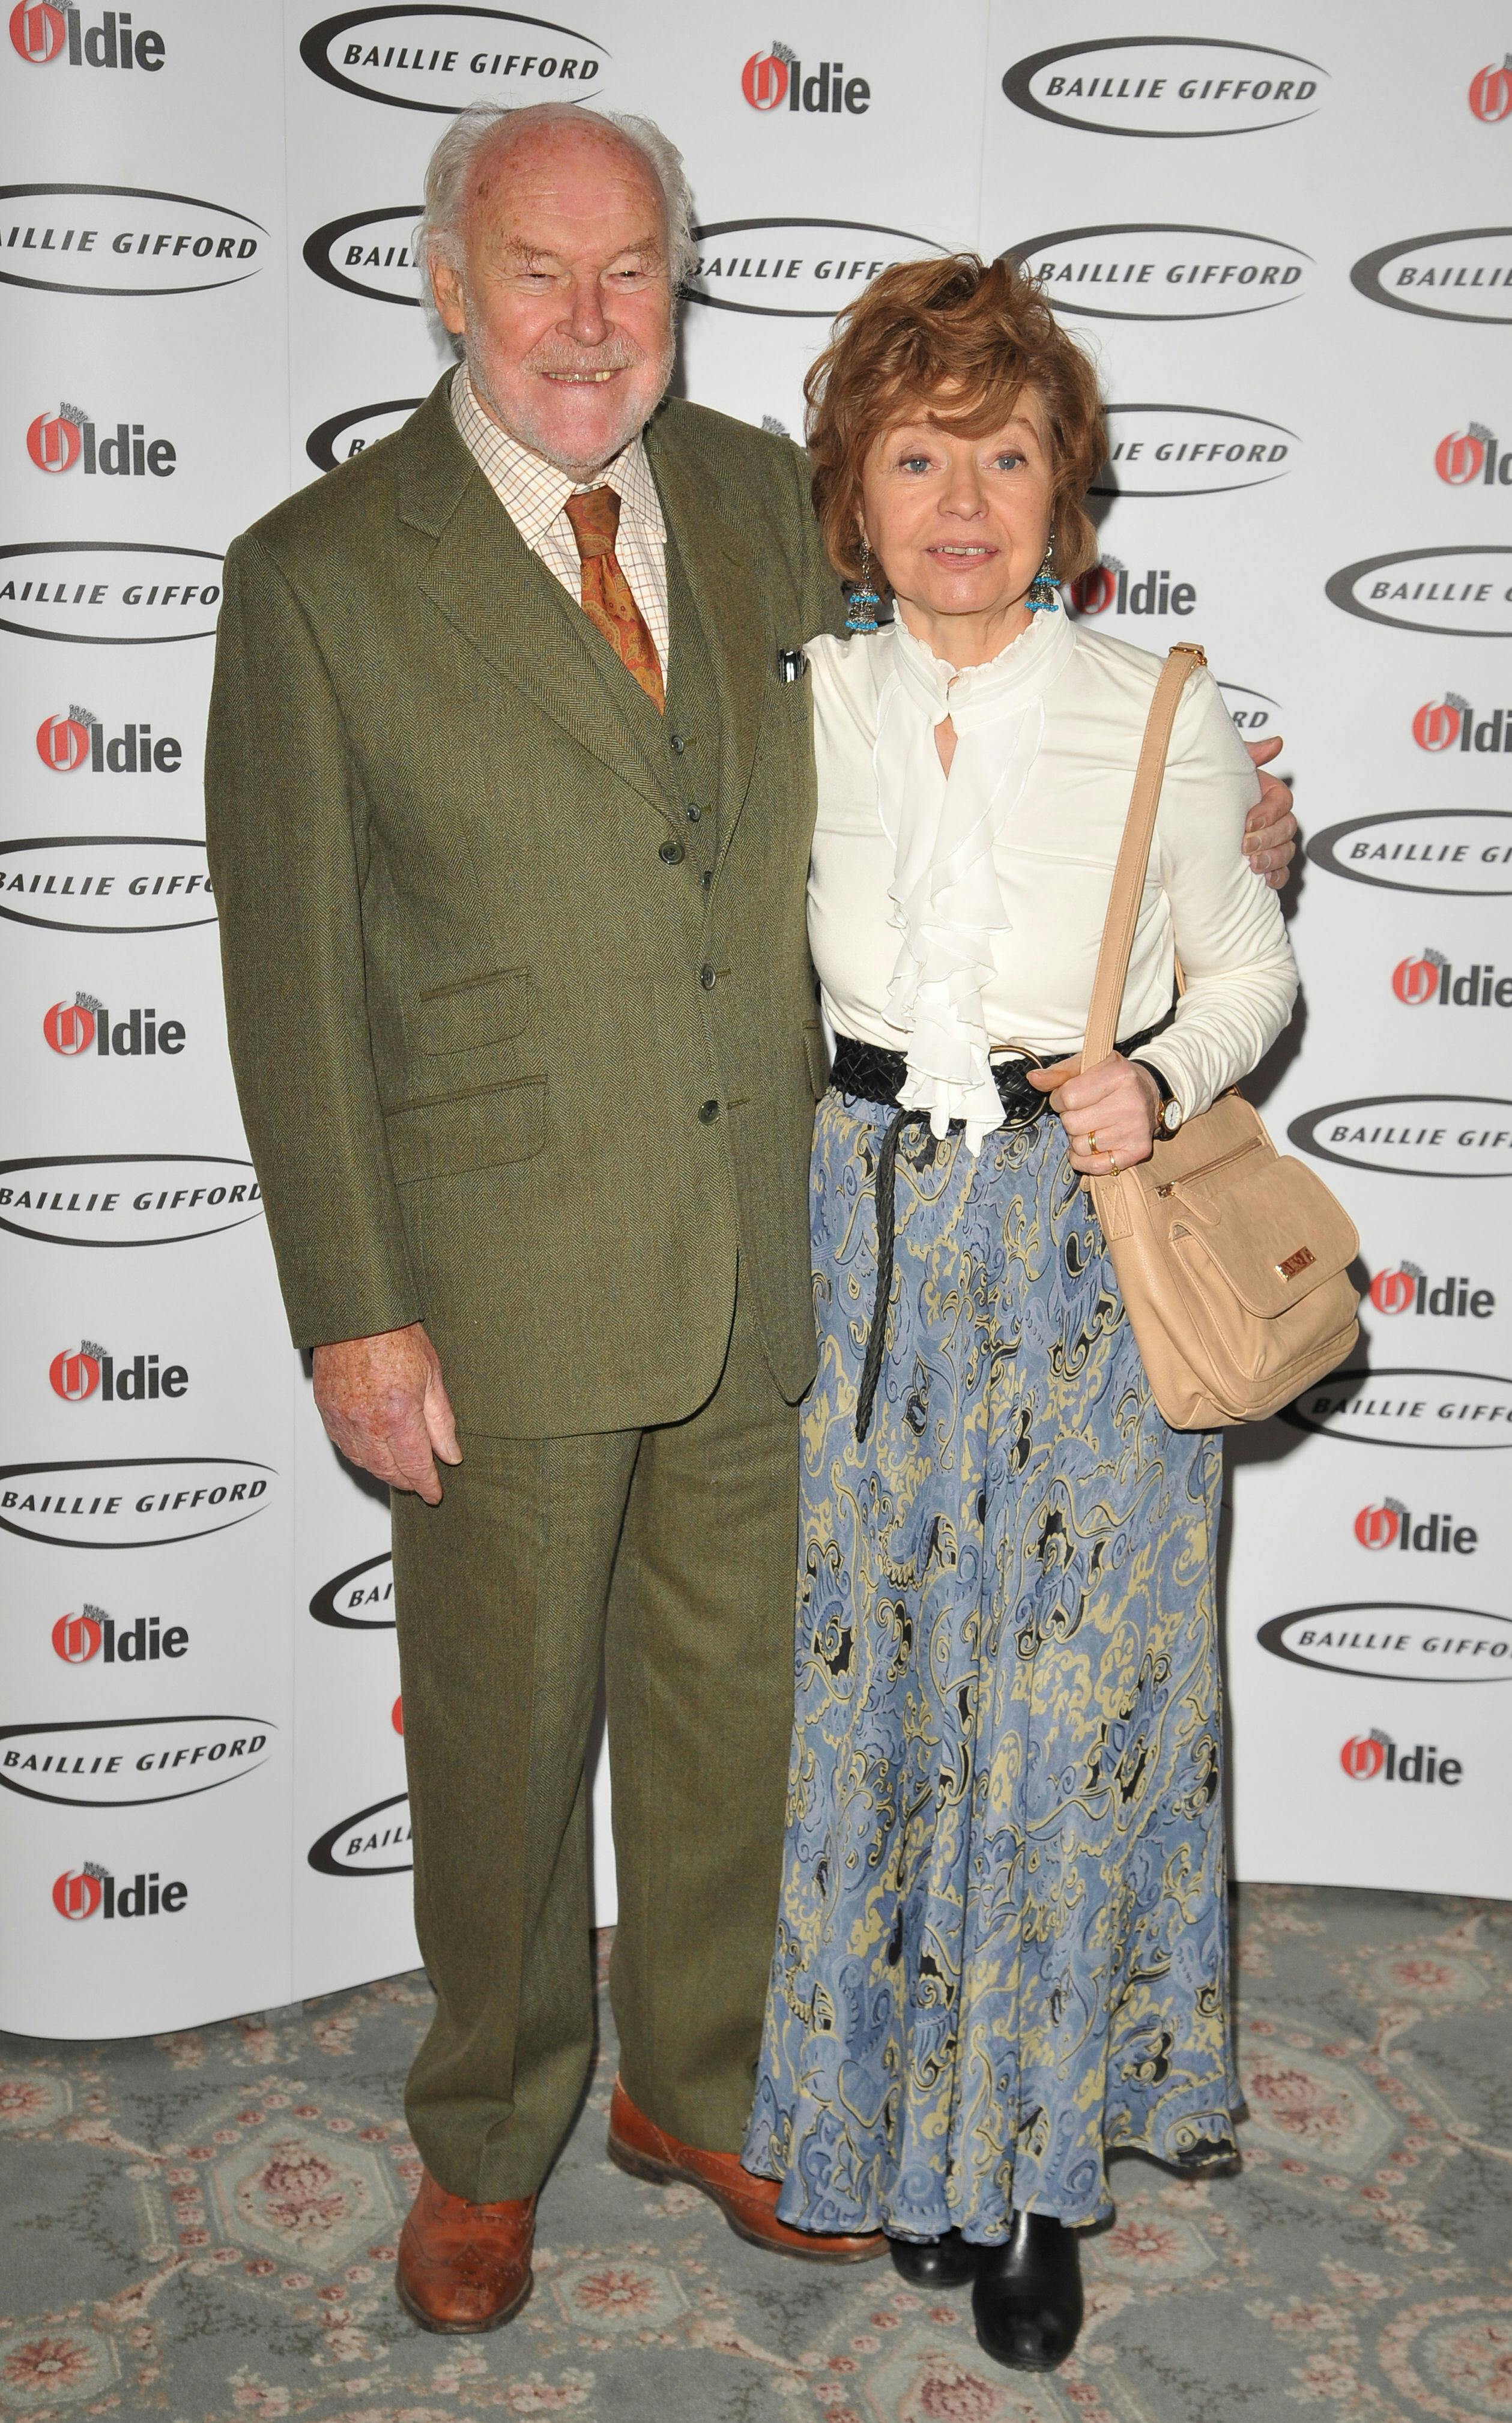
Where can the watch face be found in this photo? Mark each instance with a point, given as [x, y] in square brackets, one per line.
[1170, 1117]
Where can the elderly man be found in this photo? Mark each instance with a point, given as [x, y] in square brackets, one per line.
[509, 811]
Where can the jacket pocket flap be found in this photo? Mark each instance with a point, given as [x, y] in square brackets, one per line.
[1273, 1239]
[452, 1133]
[479, 1009]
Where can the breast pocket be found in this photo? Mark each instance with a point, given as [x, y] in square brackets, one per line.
[474, 1010]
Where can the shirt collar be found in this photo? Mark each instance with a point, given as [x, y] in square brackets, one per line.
[1020, 672]
[533, 491]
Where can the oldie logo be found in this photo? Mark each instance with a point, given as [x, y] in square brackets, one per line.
[124, 240]
[79, 1892]
[57, 441]
[347, 433]
[131, 1501]
[125, 1762]
[1189, 449]
[108, 592]
[374, 1842]
[75, 1372]
[775, 79]
[106, 884]
[1452, 723]
[368, 253]
[1465, 274]
[1166, 85]
[439, 58]
[794, 269]
[1112, 588]
[1411, 1135]
[1428, 976]
[1462, 591]
[67, 742]
[1490, 93]
[41, 32]
[1401, 1406]
[1409, 1289]
[1365, 1756]
[1392, 1525]
[1394, 1641]
[92, 1633]
[1460, 851]
[1471, 454]
[127, 1199]
[84, 1024]
[1160, 271]
[359, 1600]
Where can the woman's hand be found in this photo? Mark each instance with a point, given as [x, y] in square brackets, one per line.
[1109, 1113]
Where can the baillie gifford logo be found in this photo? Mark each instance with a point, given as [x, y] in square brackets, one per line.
[774, 79]
[1111, 588]
[1471, 454]
[1431, 977]
[56, 441]
[41, 33]
[1490, 93]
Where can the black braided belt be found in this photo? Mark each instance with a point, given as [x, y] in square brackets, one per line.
[869, 1075]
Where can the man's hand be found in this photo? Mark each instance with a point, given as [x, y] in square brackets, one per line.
[384, 1405]
[1270, 828]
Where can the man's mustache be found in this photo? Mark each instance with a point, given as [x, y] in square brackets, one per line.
[556, 360]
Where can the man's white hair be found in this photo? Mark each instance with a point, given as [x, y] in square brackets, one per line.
[439, 229]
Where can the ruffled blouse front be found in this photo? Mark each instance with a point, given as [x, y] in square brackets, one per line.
[947, 901]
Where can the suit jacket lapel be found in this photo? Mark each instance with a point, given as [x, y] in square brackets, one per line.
[484, 579]
[719, 565]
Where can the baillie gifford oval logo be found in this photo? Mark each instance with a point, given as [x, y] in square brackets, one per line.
[795, 269]
[131, 1198]
[1160, 271]
[359, 1600]
[1463, 592]
[375, 1842]
[133, 1502]
[106, 884]
[1456, 852]
[350, 433]
[1411, 1135]
[1464, 273]
[1166, 86]
[368, 253]
[437, 59]
[128, 1762]
[124, 240]
[1401, 1405]
[108, 592]
[1189, 450]
[1394, 1641]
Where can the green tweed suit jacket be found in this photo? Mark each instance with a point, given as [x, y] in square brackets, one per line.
[507, 1064]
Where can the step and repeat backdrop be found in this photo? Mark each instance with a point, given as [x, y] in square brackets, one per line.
[1280, 236]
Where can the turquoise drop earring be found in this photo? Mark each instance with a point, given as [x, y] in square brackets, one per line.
[863, 600]
[1044, 597]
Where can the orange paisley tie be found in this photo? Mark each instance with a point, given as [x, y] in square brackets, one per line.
[607, 598]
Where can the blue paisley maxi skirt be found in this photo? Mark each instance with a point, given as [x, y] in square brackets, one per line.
[1002, 1945]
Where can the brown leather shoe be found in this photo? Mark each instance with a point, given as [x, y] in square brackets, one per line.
[748, 2203]
[464, 2267]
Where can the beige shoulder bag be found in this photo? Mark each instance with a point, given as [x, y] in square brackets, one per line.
[1232, 1260]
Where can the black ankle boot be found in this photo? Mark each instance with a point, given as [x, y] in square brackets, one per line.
[945, 2262]
[1026, 2298]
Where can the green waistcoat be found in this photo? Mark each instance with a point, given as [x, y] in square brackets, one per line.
[507, 1064]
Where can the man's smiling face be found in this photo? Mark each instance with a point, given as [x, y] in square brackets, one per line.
[563, 293]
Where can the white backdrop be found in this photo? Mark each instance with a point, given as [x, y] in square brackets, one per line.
[1281, 240]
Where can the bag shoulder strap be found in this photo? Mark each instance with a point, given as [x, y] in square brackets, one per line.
[1134, 853]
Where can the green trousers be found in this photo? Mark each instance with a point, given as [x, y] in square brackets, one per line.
[670, 1551]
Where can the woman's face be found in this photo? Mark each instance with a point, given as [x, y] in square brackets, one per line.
[959, 524]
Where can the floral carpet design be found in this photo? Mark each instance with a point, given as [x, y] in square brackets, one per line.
[201, 2229]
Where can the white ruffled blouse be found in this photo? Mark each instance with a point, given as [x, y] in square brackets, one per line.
[949, 917]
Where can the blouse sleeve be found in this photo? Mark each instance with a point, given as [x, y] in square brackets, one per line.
[1227, 927]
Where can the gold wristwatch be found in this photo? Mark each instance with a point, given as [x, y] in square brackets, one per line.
[1171, 1113]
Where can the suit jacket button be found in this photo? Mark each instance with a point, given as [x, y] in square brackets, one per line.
[707, 977]
[671, 853]
[708, 1113]
[676, 743]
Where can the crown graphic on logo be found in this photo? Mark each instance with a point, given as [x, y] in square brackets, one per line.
[778, 428]
[87, 1000]
[1110, 564]
[1394, 1505]
[1474, 430]
[98, 1612]
[780, 51]
[73, 412]
[1412, 1270]
[1433, 960]
[1376, 1735]
[1452, 698]
[93, 1868]
[83, 714]
[87, 1346]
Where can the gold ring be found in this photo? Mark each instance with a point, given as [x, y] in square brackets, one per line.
[1092, 1139]
[1112, 1160]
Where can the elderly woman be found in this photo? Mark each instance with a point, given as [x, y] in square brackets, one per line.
[1001, 1950]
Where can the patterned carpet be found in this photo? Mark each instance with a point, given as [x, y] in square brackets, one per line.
[202, 2227]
